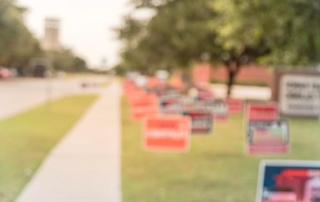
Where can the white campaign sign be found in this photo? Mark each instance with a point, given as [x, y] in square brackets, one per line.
[300, 95]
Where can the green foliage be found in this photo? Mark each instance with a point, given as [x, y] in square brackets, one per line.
[176, 36]
[79, 64]
[131, 33]
[232, 32]
[17, 44]
[289, 28]
[153, 4]
[66, 60]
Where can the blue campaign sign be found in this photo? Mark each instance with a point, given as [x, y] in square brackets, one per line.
[289, 181]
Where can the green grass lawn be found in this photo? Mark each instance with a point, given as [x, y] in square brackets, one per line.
[216, 169]
[26, 139]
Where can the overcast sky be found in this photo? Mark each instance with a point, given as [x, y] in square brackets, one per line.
[86, 25]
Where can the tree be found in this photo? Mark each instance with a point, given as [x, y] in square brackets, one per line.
[17, 44]
[66, 60]
[151, 4]
[131, 33]
[289, 28]
[232, 32]
[175, 37]
[273, 32]
[79, 64]
[181, 33]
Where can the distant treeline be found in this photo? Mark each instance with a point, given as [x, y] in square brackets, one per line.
[18, 46]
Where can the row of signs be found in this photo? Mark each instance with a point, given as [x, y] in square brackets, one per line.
[170, 119]
[266, 134]
[298, 94]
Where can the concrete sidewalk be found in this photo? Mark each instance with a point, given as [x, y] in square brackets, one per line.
[85, 165]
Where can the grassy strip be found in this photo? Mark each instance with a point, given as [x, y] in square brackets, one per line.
[216, 168]
[26, 139]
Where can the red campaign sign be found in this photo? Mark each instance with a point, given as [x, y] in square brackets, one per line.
[143, 106]
[167, 133]
[128, 86]
[262, 111]
[154, 82]
[136, 95]
[235, 106]
[176, 83]
[131, 90]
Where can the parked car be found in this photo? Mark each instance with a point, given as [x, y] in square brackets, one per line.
[14, 72]
[40, 71]
[5, 73]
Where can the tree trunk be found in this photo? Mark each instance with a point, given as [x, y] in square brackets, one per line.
[231, 78]
[233, 70]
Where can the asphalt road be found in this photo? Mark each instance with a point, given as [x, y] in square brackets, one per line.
[18, 95]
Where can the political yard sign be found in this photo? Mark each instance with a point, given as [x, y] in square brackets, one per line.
[268, 137]
[262, 111]
[167, 133]
[266, 133]
[201, 121]
[170, 104]
[298, 93]
[143, 106]
[289, 181]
